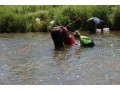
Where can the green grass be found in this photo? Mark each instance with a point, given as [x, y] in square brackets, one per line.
[21, 18]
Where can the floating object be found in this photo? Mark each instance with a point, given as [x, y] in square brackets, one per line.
[106, 30]
[98, 31]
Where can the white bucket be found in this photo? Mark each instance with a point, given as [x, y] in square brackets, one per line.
[106, 30]
[98, 31]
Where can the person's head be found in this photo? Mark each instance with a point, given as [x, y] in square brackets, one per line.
[77, 34]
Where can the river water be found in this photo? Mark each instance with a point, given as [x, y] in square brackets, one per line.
[30, 59]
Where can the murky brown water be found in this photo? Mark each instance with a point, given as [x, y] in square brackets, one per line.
[31, 59]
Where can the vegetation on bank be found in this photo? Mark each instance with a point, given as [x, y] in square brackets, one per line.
[21, 18]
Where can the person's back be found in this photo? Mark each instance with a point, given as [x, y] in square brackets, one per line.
[56, 34]
[95, 20]
[61, 37]
[93, 23]
[84, 40]
[87, 42]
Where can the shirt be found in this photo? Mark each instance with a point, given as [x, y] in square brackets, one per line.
[95, 19]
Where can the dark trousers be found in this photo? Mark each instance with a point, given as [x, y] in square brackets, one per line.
[57, 38]
[92, 44]
[91, 26]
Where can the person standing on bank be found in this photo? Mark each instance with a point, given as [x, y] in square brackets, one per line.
[61, 37]
[94, 23]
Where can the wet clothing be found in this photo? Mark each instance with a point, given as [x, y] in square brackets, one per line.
[61, 37]
[92, 23]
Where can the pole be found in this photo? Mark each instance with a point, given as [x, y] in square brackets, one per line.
[73, 22]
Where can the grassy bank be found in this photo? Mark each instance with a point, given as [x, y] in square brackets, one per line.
[22, 18]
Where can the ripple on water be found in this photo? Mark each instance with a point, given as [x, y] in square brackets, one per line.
[41, 64]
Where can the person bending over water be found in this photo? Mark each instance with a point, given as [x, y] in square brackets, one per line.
[94, 23]
[61, 37]
[84, 40]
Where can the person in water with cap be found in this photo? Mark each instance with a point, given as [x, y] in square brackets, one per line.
[94, 23]
[84, 40]
[61, 37]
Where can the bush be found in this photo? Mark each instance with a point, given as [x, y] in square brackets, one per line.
[22, 18]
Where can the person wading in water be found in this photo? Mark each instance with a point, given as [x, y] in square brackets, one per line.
[94, 23]
[61, 37]
[84, 40]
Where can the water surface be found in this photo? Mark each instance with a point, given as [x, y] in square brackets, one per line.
[31, 59]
